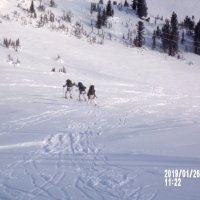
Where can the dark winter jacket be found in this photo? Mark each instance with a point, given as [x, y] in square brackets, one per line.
[91, 91]
[69, 83]
[81, 87]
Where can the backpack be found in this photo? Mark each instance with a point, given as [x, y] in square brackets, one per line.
[81, 86]
[69, 83]
[91, 91]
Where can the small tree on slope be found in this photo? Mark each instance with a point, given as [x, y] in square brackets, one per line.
[142, 8]
[197, 39]
[174, 36]
[109, 11]
[99, 21]
[139, 40]
[32, 8]
[134, 5]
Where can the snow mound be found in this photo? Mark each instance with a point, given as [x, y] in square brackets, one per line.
[70, 143]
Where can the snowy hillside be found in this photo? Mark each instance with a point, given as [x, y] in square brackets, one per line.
[147, 118]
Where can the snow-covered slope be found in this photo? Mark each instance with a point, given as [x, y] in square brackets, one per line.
[147, 119]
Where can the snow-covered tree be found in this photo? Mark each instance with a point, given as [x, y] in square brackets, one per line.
[174, 36]
[183, 37]
[109, 10]
[165, 36]
[126, 4]
[154, 40]
[134, 5]
[100, 1]
[158, 32]
[189, 23]
[139, 40]
[104, 18]
[142, 8]
[197, 38]
[32, 7]
[99, 21]
[52, 3]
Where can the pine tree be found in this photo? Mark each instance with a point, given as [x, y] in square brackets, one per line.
[104, 18]
[142, 8]
[186, 22]
[126, 4]
[134, 5]
[154, 40]
[183, 37]
[99, 21]
[189, 23]
[112, 12]
[109, 10]
[17, 42]
[35, 15]
[158, 32]
[52, 17]
[101, 2]
[165, 36]
[197, 39]
[32, 8]
[139, 40]
[174, 36]
[52, 3]
[6, 42]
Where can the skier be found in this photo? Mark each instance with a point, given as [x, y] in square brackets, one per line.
[91, 95]
[82, 91]
[69, 86]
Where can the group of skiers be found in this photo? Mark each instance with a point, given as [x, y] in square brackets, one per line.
[82, 91]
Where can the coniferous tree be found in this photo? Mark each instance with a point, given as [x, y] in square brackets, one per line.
[186, 22]
[165, 36]
[100, 1]
[52, 3]
[154, 40]
[32, 8]
[183, 37]
[126, 4]
[52, 17]
[99, 21]
[109, 10]
[17, 42]
[174, 35]
[142, 8]
[134, 5]
[189, 23]
[112, 12]
[158, 32]
[104, 18]
[35, 15]
[197, 39]
[6, 42]
[139, 40]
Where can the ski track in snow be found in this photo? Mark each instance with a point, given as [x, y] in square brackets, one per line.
[73, 149]
[69, 165]
[13, 125]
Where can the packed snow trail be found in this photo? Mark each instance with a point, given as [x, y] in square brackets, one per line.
[70, 165]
